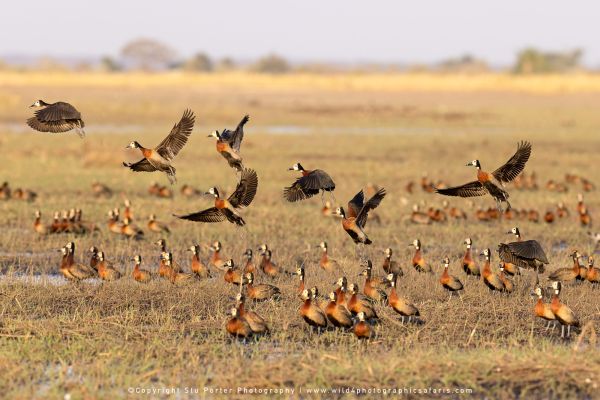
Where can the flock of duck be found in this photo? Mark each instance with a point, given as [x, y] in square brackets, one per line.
[346, 307]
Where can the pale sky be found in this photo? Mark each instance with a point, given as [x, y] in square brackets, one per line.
[308, 30]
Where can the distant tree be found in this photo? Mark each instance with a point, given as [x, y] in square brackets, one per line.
[271, 64]
[50, 64]
[533, 61]
[200, 62]
[148, 54]
[464, 64]
[109, 64]
[226, 64]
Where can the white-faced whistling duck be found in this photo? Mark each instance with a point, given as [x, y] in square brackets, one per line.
[524, 254]
[454, 212]
[376, 281]
[375, 293]
[390, 266]
[419, 217]
[229, 142]
[159, 158]
[257, 323]
[358, 303]
[561, 210]
[362, 330]
[127, 210]
[130, 230]
[101, 190]
[72, 270]
[227, 209]
[94, 257]
[325, 262]
[309, 184]
[418, 261]
[105, 271]
[585, 219]
[262, 291]
[338, 314]
[301, 286]
[5, 191]
[56, 117]
[450, 282]
[138, 274]
[114, 226]
[311, 313]
[321, 301]
[38, 226]
[485, 181]
[197, 266]
[176, 276]
[327, 210]
[267, 265]
[541, 309]
[232, 274]
[160, 191]
[340, 291]
[189, 191]
[508, 285]
[249, 266]
[355, 220]
[549, 217]
[593, 273]
[163, 270]
[580, 204]
[238, 327]
[157, 226]
[569, 274]
[400, 304]
[562, 312]
[469, 265]
[216, 260]
[491, 279]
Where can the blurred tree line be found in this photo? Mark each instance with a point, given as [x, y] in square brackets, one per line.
[152, 55]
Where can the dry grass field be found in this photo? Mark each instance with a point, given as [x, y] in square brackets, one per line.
[97, 341]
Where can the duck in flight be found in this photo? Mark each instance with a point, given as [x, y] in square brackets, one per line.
[159, 158]
[229, 142]
[355, 219]
[56, 117]
[490, 183]
[309, 184]
[227, 209]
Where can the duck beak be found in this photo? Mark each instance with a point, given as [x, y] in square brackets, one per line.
[290, 168]
[31, 106]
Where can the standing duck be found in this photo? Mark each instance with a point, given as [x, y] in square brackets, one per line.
[261, 291]
[157, 226]
[418, 261]
[197, 266]
[229, 142]
[309, 184]
[491, 280]
[358, 210]
[593, 273]
[363, 330]
[310, 312]
[485, 181]
[228, 209]
[450, 282]
[338, 314]
[570, 274]
[139, 274]
[249, 266]
[358, 303]
[325, 262]
[257, 323]
[562, 312]
[56, 117]
[401, 305]
[469, 265]
[390, 266]
[106, 271]
[159, 158]
[543, 310]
